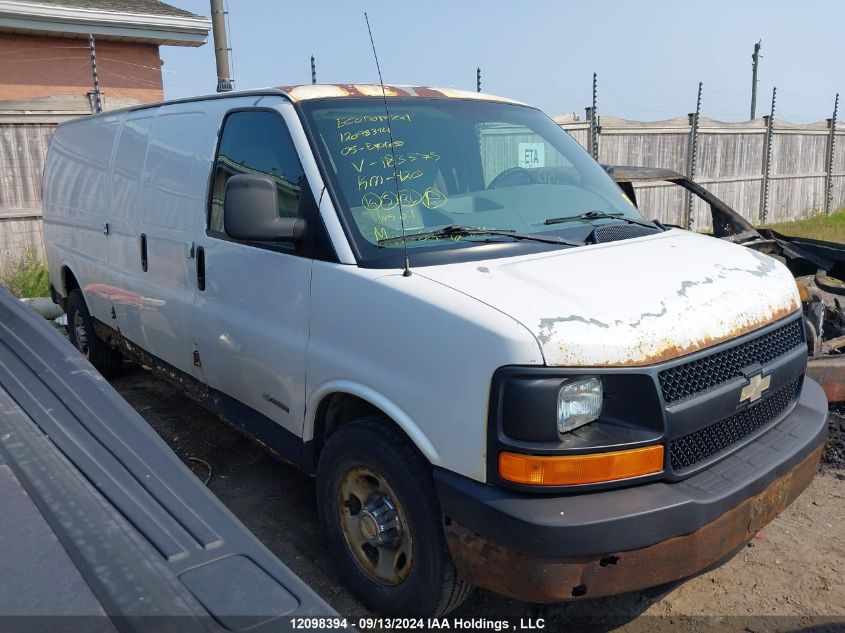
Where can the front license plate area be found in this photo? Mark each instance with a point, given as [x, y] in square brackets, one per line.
[768, 505]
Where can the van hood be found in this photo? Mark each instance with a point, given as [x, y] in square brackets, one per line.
[633, 302]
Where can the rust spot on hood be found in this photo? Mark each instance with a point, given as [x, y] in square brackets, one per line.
[671, 350]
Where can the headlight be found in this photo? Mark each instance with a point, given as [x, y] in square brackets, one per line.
[578, 403]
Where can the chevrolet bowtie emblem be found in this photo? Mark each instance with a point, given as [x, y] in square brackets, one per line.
[754, 389]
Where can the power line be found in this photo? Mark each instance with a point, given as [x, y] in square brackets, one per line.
[164, 70]
[44, 48]
[129, 77]
[48, 59]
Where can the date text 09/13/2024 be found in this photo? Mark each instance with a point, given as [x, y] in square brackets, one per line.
[419, 624]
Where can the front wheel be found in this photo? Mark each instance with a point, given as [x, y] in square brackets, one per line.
[380, 511]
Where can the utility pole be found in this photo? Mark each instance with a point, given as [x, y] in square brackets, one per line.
[225, 83]
[98, 102]
[478, 79]
[755, 60]
[313, 70]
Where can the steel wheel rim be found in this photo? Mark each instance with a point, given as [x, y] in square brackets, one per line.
[374, 526]
[81, 334]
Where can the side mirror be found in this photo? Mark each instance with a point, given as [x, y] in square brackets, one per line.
[251, 211]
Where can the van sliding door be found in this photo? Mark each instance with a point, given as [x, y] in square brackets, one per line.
[174, 184]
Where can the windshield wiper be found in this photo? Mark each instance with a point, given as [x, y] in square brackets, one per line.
[458, 230]
[601, 215]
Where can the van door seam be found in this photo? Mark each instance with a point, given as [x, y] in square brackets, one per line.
[307, 350]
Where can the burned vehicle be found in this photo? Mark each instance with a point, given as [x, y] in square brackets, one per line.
[818, 266]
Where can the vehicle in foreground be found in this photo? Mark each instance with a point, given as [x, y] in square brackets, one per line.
[103, 528]
[818, 267]
[500, 373]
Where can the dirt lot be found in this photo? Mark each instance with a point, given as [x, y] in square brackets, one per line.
[791, 577]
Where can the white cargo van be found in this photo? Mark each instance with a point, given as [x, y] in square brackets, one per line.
[500, 373]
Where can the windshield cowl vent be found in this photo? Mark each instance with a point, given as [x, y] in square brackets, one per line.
[616, 232]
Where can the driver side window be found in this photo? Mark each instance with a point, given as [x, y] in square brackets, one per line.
[256, 142]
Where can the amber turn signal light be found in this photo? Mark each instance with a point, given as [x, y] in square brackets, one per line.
[567, 470]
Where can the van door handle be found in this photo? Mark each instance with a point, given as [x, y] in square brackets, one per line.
[200, 253]
[144, 265]
[106, 228]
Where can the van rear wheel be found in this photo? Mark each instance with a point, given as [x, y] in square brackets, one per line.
[377, 503]
[80, 331]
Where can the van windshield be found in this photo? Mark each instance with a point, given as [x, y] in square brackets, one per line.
[477, 164]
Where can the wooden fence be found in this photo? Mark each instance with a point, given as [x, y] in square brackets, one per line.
[731, 160]
[26, 128]
[22, 151]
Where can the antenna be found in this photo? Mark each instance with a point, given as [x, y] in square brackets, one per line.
[407, 271]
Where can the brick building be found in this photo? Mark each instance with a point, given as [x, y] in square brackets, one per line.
[46, 78]
[44, 46]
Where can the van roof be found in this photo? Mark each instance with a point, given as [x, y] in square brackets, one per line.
[307, 92]
[312, 92]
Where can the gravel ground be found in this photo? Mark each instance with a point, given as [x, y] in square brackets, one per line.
[791, 577]
[834, 454]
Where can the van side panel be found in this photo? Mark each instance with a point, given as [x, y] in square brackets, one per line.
[76, 201]
[124, 242]
[173, 188]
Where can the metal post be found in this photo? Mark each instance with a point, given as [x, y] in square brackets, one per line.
[831, 148]
[692, 156]
[478, 79]
[767, 160]
[755, 60]
[98, 102]
[221, 48]
[313, 70]
[594, 122]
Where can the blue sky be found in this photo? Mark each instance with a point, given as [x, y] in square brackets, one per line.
[649, 56]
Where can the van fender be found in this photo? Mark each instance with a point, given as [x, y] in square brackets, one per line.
[64, 269]
[378, 400]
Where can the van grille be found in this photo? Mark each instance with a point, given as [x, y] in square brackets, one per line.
[691, 449]
[616, 232]
[701, 374]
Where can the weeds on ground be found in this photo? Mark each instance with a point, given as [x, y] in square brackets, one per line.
[830, 228]
[27, 277]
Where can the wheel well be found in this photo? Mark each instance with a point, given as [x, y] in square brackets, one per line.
[334, 411]
[69, 281]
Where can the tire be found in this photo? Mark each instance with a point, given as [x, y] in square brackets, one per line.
[80, 331]
[368, 456]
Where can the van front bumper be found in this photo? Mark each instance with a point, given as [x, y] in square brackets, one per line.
[555, 548]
